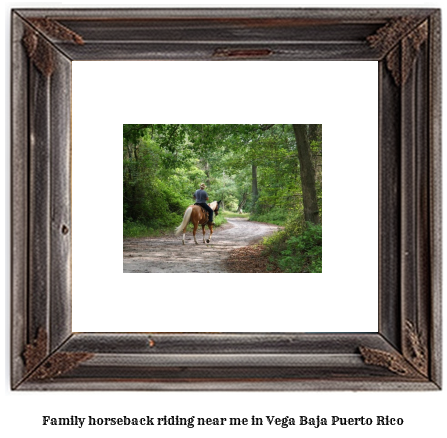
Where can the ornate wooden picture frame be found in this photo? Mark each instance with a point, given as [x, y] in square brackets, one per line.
[405, 353]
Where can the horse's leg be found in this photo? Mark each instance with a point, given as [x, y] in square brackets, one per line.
[184, 232]
[194, 232]
[203, 231]
[211, 233]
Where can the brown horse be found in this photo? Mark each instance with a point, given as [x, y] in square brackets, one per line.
[196, 215]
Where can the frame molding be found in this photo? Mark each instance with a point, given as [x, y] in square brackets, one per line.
[406, 352]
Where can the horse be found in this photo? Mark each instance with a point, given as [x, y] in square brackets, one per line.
[197, 215]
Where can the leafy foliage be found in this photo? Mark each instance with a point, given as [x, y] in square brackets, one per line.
[151, 199]
[303, 253]
[276, 215]
[297, 248]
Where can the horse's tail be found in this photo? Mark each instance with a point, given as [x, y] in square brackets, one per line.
[185, 221]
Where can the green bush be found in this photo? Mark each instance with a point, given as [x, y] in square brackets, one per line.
[297, 248]
[136, 229]
[276, 215]
[303, 253]
[294, 226]
[219, 219]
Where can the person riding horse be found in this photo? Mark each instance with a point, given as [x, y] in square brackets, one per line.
[197, 215]
[201, 197]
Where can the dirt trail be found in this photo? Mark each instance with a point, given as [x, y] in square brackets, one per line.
[167, 254]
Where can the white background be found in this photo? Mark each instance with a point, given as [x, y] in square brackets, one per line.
[21, 413]
[337, 300]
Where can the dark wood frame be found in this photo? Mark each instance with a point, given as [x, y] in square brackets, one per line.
[405, 354]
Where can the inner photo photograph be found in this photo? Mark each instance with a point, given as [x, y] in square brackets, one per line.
[222, 198]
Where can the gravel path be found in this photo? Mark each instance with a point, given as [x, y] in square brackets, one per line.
[167, 254]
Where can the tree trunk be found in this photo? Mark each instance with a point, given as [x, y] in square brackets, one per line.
[242, 203]
[254, 182]
[315, 132]
[307, 173]
[315, 135]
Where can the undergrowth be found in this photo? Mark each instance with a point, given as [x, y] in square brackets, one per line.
[277, 216]
[297, 248]
[231, 214]
[137, 229]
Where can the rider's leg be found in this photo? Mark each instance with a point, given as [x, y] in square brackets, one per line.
[210, 212]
